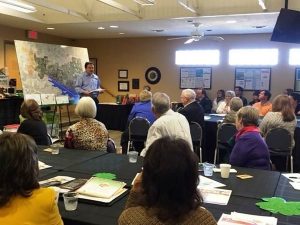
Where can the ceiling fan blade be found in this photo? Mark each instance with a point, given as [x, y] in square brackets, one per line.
[213, 38]
[170, 39]
[189, 41]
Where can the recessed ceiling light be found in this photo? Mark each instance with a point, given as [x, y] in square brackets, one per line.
[50, 28]
[259, 27]
[121, 33]
[63, 46]
[231, 21]
[101, 28]
[158, 30]
[114, 26]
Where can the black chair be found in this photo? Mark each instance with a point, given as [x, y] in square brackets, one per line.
[138, 130]
[224, 134]
[196, 134]
[279, 141]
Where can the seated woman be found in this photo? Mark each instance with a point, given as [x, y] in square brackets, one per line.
[235, 104]
[33, 125]
[250, 149]
[140, 109]
[166, 191]
[282, 116]
[22, 201]
[220, 97]
[223, 106]
[88, 133]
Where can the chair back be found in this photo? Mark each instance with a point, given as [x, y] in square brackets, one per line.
[225, 132]
[196, 135]
[138, 129]
[279, 141]
[196, 132]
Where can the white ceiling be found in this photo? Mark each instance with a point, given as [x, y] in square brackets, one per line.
[79, 19]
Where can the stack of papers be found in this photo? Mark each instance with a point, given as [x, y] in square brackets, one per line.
[210, 192]
[294, 179]
[100, 189]
[54, 181]
[246, 219]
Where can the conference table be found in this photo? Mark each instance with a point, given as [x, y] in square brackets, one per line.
[83, 164]
[209, 139]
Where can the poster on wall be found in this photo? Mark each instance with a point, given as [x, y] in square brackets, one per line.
[195, 77]
[253, 78]
[50, 69]
[297, 79]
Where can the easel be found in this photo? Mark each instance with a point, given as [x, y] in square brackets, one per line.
[60, 118]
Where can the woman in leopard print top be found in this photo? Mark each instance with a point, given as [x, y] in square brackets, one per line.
[88, 133]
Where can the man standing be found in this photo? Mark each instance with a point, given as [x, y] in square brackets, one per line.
[88, 83]
[203, 100]
[239, 93]
[192, 110]
[264, 106]
[168, 122]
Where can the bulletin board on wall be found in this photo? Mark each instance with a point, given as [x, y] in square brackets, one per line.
[297, 80]
[251, 79]
[195, 77]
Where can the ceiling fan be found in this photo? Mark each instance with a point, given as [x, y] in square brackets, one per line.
[196, 35]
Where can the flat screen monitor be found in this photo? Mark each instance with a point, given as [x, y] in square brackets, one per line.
[287, 27]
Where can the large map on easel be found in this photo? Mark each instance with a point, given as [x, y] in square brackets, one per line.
[253, 78]
[50, 69]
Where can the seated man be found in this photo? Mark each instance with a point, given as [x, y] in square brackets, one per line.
[203, 100]
[140, 109]
[239, 93]
[168, 122]
[264, 106]
[192, 110]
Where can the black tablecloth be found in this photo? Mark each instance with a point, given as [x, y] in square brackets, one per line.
[10, 111]
[114, 116]
[110, 163]
[67, 157]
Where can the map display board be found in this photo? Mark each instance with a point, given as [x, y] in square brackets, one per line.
[251, 79]
[195, 77]
[50, 69]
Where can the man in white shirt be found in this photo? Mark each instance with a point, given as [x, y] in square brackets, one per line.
[168, 122]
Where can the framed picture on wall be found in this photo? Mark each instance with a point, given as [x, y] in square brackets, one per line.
[94, 61]
[123, 74]
[251, 79]
[123, 85]
[135, 83]
[195, 77]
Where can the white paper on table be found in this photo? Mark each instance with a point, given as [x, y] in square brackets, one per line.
[246, 219]
[218, 170]
[207, 117]
[296, 185]
[61, 179]
[295, 177]
[43, 165]
[215, 195]
[208, 183]
[105, 200]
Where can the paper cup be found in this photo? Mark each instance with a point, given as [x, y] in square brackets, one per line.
[225, 170]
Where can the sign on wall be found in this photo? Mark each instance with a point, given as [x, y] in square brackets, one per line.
[195, 77]
[253, 78]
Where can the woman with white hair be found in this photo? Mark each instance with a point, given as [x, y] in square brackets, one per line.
[88, 133]
[224, 107]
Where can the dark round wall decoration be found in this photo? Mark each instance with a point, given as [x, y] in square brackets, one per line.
[153, 75]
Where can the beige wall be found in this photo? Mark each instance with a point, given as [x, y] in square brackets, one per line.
[138, 54]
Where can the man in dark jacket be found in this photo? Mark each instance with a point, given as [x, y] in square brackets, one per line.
[192, 110]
